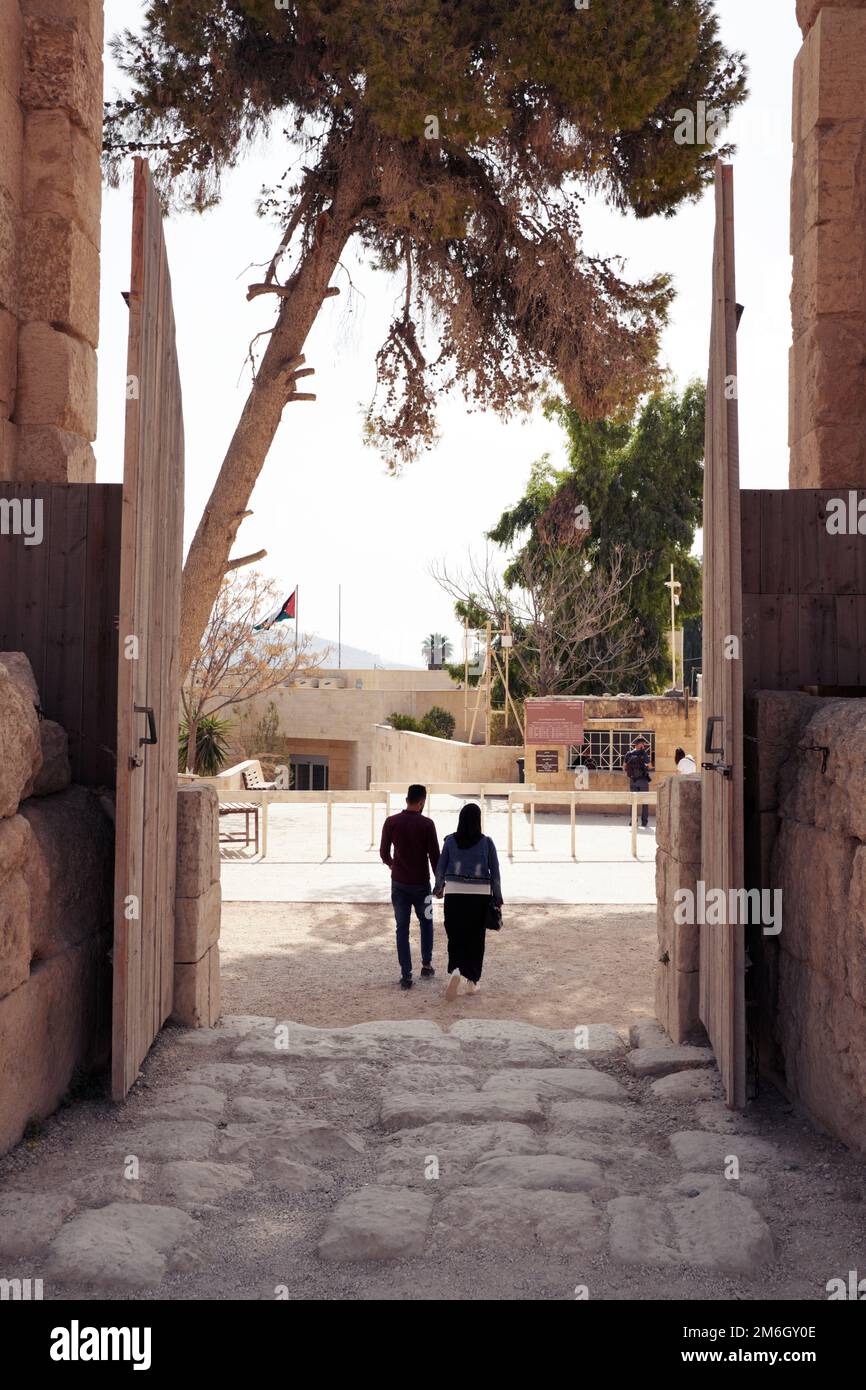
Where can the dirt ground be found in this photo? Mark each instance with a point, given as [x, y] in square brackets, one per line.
[334, 964]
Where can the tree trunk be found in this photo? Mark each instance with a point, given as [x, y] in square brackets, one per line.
[191, 745]
[211, 546]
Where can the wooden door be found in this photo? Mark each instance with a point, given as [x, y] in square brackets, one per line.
[148, 659]
[722, 948]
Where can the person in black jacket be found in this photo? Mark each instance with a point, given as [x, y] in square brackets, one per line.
[637, 767]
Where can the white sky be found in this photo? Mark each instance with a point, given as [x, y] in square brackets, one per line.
[324, 507]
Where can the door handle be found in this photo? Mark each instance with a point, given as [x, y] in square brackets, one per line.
[151, 725]
[710, 749]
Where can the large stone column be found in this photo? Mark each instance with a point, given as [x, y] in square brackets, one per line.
[827, 412]
[50, 194]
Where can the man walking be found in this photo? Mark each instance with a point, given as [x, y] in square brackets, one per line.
[409, 845]
[637, 767]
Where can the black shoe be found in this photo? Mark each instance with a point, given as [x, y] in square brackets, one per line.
[427, 972]
[406, 982]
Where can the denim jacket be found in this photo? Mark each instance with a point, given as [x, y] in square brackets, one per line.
[479, 862]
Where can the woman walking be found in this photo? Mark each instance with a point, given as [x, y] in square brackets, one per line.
[467, 875]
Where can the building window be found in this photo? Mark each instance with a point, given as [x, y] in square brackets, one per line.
[308, 774]
[605, 748]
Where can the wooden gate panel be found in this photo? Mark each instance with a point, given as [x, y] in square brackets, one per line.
[58, 604]
[150, 616]
[722, 952]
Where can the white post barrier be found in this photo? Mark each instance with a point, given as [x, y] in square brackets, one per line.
[571, 815]
[330, 822]
[634, 825]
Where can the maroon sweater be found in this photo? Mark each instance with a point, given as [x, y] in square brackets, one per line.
[408, 842]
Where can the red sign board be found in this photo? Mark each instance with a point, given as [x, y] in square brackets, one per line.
[554, 721]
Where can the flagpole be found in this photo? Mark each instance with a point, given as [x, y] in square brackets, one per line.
[297, 591]
[339, 627]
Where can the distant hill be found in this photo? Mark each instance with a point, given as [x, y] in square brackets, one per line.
[356, 659]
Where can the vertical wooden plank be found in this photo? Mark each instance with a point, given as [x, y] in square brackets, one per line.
[150, 611]
[722, 954]
[778, 548]
[63, 671]
[750, 524]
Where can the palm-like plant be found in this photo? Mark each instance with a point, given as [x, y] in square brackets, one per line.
[211, 745]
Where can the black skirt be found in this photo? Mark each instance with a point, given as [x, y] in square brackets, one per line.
[465, 928]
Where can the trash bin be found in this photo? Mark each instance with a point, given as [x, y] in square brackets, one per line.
[521, 765]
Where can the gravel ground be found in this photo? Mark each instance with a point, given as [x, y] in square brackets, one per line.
[332, 965]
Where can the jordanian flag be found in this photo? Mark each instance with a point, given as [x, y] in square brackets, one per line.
[280, 615]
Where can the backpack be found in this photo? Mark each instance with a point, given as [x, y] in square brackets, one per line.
[635, 764]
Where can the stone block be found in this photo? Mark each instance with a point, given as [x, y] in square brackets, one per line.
[822, 867]
[8, 361]
[196, 991]
[50, 455]
[56, 380]
[71, 870]
[49, 1026]
[62, 71]
[20, 749]
[55, 773]
[59, 276]
[829, 456]
[20, 672]
[10, 219]
[685, 818]
[15, 848]
[830, 70]
[11, 144]
[11, 38]
[8, 450]
[827, 381]
[61, 172]
[828, 276]
[87, 15]
[822, 1036]
[780, 720]
[827, 177]
[808, 10]
[197, 924]
[197, 839]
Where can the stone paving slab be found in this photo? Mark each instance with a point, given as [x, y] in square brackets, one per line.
[572, 1116]
[713, 1230]
[538, 1172]
[661, 1060]
[509, 1219]
[377, 1223]
[558, 1082]
[121, 1244]
[29, 1220]
[404, 1110]
[704, 1152]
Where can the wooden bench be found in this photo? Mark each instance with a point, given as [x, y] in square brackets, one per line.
[255, 782]
[250, 812]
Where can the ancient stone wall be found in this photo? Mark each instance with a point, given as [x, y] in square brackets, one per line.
[50, 193]
[678, 865]
[807, 798]
[56, 877]
[827, 413]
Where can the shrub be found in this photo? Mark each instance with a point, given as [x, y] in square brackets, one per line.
[404, 722]
[437, 722]
[211, 745]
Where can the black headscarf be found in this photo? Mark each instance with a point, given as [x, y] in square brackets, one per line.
[468, 826]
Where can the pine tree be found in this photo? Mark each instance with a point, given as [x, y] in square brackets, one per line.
[451, 140]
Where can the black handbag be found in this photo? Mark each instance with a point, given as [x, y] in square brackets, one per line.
[493, 920]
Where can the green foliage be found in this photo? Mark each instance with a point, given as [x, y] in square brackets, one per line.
[506, 736]
[437, 722]
[211, 745]
[453, 140]
[641, 480]
[264, 736]
[405, 723]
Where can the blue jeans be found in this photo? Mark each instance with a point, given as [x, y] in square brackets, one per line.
[405, 896]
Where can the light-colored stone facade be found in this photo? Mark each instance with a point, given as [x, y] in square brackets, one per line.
[50, 194]
[673, 722]
[827, 413]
